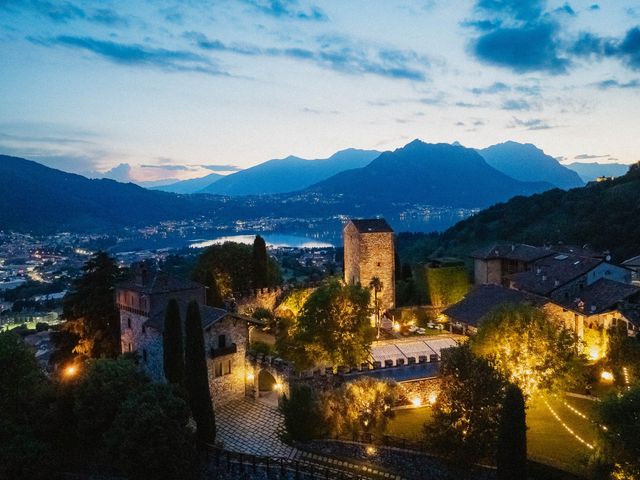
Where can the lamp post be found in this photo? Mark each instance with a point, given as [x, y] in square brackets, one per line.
[376, 285]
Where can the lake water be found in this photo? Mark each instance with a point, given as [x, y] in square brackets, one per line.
[328, 233]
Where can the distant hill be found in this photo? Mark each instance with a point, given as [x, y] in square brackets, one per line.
[591, 171]
[289, 174]
[603, 215]
[192, 185]
[429, 174]
[527, 163]
[36, 198]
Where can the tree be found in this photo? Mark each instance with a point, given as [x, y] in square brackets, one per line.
[526, 346]
[197, 377]
[152, 422]
[90, 309]
[446, 284]
[103, 385]
[302, 413]
[376, 285]
[620, 414]
[333, 326]
[24, 401]
[466, 415]
[623, 351]
[362, 406]
[511, 457]
[173, 346]
[260, 263]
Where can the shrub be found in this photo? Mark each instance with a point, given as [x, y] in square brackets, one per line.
[302, 414]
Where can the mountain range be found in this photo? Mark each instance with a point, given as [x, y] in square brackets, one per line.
[192, 185]
[430, 174]
[527, 163]
[590, 171]
[419, 173]
[288, 174]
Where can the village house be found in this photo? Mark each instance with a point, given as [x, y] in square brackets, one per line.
[142, 304]
[634, 265]
[580, 288]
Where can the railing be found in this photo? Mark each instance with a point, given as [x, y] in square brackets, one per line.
[282, 468]
[228, 350]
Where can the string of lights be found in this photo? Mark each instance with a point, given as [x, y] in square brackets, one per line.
[567, 427]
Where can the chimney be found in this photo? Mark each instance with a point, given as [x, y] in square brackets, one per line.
[556, 283]
[538, 270]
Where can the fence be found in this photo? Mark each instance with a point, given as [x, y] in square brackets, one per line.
[244, 465]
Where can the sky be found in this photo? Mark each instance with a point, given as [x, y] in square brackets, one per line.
[155, 90]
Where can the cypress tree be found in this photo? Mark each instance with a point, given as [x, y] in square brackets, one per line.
[196, 377]
[214, 296]
[511, 456]
[260, 263]
[173, 348]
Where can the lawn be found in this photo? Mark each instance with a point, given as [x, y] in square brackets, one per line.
[548, 441]
[408, 423]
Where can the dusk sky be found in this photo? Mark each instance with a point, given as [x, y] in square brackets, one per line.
[177, 90]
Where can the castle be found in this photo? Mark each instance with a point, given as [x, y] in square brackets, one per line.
[142, 303]
[369, 251]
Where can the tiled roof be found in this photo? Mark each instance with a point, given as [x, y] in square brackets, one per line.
[209, 315]
[484, 298]
[600, 296]
[552, 272]
[158, 282]
[516, 251]
[632, 262]
[372, 225]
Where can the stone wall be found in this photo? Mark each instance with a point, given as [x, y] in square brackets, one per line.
[425, 390]
[227, 373]
[368, 255]
[487, 271]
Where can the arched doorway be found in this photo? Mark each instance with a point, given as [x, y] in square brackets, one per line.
[268, 388]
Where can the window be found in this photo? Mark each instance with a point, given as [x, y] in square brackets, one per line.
[227, 367]
[130, 349]
[217, 370]
[144, 329]
[144, 355]
[378, 264]
[128, 322]
[222, 341]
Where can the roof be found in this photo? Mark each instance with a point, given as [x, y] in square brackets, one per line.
[484, 298]
[208, 315]
[372, 225]
[158, 282]
[632, 262]
[516, 251]
[600, 296]
[552, 272]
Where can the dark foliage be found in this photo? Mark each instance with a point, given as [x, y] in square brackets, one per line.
[196, 376]
[303, 418]
[260, 263]
[173, 345]
[511, 456]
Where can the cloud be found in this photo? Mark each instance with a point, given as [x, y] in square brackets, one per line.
[533, 48]
[566, 9]
[586, 156]
[287, 9]
[221, 168]
[320, 112]
[497, 87]
[119, 173]
[135, 54]
[524, 10]
[531, 124]
[612, 83]
[335, 53]
[595, 6]
[513, 104]
[625, 49]
[176, 168]
[64, 12]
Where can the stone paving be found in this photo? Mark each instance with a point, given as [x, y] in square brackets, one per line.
[250, 426]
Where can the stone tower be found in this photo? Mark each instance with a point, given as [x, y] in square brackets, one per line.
[369, 252]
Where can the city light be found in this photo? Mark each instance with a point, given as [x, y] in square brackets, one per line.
[396, 326]
[594, 353]
[250, 377]
[70, 371]
[567, 428]
[277, 386]
[416, 402]
[371, 450]
[433, 397]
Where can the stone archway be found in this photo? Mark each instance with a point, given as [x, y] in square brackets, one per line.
[268, 387]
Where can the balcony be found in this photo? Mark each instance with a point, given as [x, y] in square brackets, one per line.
[219, 352]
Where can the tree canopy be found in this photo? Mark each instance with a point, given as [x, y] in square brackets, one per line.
[466, 415]
[90, 310]
[528, 347]
[333, 326]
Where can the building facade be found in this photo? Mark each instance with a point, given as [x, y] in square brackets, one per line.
[142, 304]
[369, 251]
